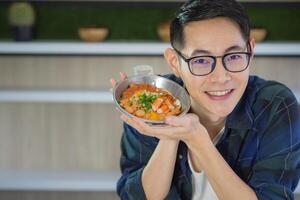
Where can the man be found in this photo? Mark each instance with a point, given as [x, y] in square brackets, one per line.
[241, 138]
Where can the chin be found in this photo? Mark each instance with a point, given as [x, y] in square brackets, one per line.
[223, 112]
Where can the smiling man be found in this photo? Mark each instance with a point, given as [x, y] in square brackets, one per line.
[241, 138]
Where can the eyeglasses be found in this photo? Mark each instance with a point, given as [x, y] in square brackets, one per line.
[204, 65]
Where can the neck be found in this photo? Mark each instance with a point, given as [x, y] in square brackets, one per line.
[210, 121]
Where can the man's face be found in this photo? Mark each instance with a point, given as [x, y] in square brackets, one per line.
[217, 93]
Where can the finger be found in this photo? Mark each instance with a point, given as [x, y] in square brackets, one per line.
[159, 125]
[125, 118]
[174, 121]
[139, 126]
[167, 132]
[176, 133]
[187, 120]
[123, 75]
[147, 126]
[122, 116]
[160, 131]
[142, 127]
[113, 82]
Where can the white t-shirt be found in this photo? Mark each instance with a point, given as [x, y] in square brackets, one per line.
[202, 189]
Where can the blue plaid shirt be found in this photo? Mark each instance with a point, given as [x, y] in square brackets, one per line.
[261, 143]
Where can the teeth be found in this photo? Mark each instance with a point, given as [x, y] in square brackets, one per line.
[219, 93]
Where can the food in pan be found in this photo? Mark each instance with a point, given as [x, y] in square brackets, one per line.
[149, 102]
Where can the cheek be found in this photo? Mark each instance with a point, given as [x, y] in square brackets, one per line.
[243, 77]
[185, 75]
[241, 81]
[195, 86]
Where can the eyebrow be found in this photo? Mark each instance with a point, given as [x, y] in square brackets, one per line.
[203, 51]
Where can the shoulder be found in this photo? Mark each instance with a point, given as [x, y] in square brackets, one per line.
[263, 104]
[272, 105]
[173, 78]
[267, 93]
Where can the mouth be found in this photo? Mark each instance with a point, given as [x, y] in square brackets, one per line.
[219, 95]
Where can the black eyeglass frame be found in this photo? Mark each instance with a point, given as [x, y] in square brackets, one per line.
[187, 60]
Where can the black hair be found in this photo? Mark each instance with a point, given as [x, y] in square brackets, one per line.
[196, 10]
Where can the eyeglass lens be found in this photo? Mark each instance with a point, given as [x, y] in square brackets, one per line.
[234, 62]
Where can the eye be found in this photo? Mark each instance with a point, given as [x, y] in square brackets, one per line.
[234, 57]
[202, 61]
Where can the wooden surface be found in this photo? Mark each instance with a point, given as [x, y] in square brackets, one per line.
[95, 71]
[69, 71]
[62, 136]
[59, 136]
[81, 136]
[282, 69]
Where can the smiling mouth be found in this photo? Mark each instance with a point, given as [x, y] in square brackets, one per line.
[219, 93]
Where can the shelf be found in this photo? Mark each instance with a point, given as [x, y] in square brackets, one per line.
[56, 96]
[25, 180]
[65, 96]
[125, 48]
[82, 48]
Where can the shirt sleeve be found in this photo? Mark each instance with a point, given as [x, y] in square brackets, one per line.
[276, 171]
[135, 148]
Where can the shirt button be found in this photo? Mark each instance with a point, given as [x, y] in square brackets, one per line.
[180, 156]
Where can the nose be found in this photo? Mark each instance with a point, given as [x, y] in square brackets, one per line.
[220, 74]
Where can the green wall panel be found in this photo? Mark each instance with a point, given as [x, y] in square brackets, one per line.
[59, 21]
[281, 24]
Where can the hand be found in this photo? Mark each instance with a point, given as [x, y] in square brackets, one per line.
[123, 76]
[186, 128]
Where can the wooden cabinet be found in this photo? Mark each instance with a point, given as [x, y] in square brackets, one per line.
[59, 130]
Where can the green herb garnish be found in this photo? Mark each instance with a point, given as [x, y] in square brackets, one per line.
[146, 99]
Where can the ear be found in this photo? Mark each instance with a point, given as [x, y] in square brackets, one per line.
[252, 44]
[172, 61]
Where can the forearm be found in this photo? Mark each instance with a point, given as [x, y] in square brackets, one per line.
[158, 173]
[225, 182]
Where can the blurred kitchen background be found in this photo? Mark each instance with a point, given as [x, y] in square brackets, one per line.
[59, 131]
